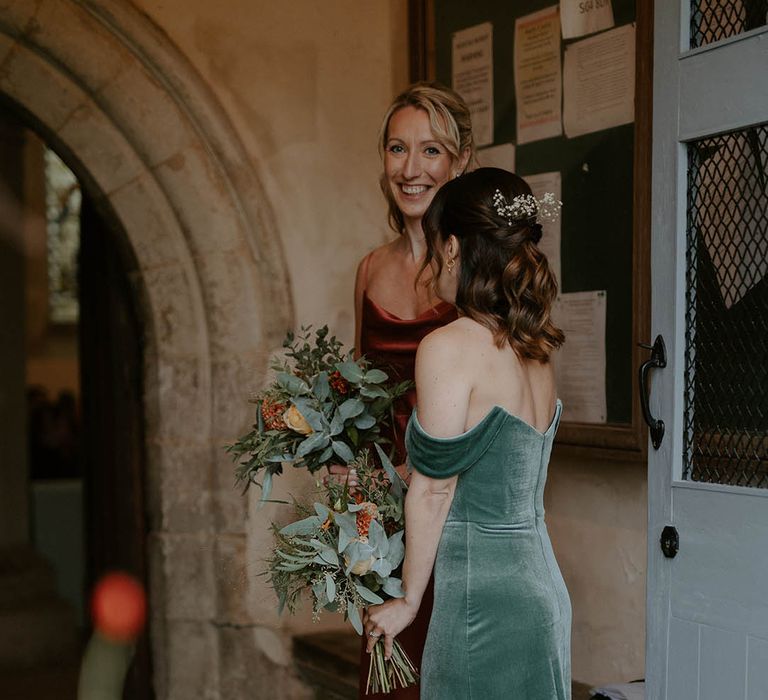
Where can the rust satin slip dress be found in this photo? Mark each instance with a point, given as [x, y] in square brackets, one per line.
[391, 342]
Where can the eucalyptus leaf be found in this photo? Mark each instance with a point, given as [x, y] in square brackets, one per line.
[364, 422]
[347, 522]
[320, 386]
[325, 455]
[259, 421]
[294, 385]
[344, 540]
[302, 527]
[375, 376]
[378, 538]
[320, 591]
[330, 588]
[343, 451]
[322, 510]
[287, 566]
[279, 459]
[396, 549]
[393, 587]
[353, 614]
[351, 371]
[397, 485]
[316, 441]
[351, 408]
[368, 595]
[266, 488]
[382, 567]
[374, 392]
[337, 423]
[329, 557]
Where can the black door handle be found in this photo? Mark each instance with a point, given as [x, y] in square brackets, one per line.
[658, 359]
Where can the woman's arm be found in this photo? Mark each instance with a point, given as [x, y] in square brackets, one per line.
[443, 391]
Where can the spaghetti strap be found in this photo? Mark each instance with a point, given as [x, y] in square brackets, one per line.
[365, 265]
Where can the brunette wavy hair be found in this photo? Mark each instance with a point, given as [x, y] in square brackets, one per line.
[451, 125]
[505, 282]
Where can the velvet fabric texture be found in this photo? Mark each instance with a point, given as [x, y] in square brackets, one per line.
[391, 342]
[501, 621]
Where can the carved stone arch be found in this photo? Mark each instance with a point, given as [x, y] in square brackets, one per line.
[110, 88]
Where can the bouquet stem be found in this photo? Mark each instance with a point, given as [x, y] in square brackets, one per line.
[384, 675]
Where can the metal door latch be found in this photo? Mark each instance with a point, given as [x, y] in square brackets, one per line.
[658, 359]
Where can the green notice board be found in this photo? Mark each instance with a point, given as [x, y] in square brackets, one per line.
[597, 182]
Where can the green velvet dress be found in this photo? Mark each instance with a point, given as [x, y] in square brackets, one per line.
[501, 622]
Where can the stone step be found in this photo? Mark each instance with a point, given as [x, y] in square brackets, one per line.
[41, 632]
[329, 661]
[25, 576]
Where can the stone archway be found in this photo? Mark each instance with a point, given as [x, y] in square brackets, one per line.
[107, 87]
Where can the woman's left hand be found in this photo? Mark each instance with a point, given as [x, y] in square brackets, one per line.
[387, 620]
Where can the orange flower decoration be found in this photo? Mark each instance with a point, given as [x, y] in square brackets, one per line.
[364, 517]
[338, 383]
[272, 413]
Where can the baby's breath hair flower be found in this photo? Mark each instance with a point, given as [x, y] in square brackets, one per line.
[526, 206]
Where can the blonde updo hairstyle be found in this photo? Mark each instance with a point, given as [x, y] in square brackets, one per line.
[505, 282]
[451, 125]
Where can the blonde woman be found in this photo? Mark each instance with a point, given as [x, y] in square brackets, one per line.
[425, 141]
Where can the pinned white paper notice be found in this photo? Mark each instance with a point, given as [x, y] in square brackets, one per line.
[599, 82]
[550, 230]
[582, 17]
[472, 75]
[538, 75]
[580, 363]
[502, 156]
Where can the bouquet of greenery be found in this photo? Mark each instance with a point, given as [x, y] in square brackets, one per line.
[344, 550]
[323, 408]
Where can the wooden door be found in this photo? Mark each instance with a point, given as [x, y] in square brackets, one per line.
[707, 631]
[113, 436]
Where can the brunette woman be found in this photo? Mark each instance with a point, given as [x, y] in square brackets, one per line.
[479, 442]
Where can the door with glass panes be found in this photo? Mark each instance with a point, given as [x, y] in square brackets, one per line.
[707, 632]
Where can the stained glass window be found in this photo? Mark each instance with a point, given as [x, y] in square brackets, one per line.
[63, 219]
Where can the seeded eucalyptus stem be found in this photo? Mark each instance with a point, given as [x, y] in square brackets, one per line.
[386, 675]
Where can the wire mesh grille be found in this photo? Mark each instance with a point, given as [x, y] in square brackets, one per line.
[726, 368]
[714, 20]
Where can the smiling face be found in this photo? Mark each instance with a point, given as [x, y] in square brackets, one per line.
[415, 163]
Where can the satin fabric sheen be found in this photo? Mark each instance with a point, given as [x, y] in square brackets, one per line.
[391, 343]
[501, 625]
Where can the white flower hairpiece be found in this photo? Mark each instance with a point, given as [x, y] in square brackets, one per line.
[526, 206]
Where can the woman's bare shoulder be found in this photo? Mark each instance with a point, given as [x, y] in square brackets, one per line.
[456, 340]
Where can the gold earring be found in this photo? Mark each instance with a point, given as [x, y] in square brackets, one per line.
[450, 265]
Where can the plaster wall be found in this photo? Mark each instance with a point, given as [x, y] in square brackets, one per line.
[596, 516]
[305, 85]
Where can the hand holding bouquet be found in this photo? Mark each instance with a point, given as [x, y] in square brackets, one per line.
[323, 407]
[343, 551]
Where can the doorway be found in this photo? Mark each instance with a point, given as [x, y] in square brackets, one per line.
[84, 468]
